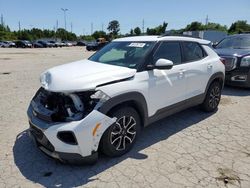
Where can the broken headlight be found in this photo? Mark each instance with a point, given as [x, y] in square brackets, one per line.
[45, 79]
[101, 96]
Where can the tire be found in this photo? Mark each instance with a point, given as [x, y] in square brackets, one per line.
[120, 137]
[213, 97]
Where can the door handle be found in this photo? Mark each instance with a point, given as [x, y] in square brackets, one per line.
[181, 72]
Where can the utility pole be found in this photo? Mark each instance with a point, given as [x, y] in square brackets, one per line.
[143, 26]
[56, 25]
[64, 11]
[91, 28]
[71, 25]
[207, 20]
[19, 25]
[102, 26]
[2, 22]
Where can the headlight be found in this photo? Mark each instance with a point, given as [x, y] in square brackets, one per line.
[100, 95]
[245, 61]
[45, 79]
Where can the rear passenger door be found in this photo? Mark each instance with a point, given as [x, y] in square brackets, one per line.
[167, 87]
[198, 68]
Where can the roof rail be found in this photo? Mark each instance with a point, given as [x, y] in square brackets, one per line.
[179, 35]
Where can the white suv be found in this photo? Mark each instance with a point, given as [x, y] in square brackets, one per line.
[102, 103]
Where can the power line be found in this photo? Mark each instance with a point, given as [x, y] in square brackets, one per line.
[91, 28]
[207, 20]
[64, 11]
[2, 22]
[19, 25]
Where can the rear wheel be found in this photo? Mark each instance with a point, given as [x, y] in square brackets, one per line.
[119, 138]
[213, 97]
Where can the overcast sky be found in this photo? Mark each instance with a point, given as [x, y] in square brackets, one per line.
[130, 13]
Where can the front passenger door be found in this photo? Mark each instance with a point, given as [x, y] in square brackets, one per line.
[167, 87]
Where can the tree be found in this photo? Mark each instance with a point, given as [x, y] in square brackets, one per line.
[215, 26]
[194, 26]
[99, 34]
[114, 28]
[239, 27]
[159, 30]
[132, 32]
[137, 31]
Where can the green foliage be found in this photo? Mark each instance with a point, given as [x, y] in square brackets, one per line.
[137, 31]
[114, 28]
[131, 32]
[239, 27]
[198, 26]
[86, 37]
[159, 30]
[99, 34]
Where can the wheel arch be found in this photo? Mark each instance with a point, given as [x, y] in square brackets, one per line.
[133, 99]
[219, 76]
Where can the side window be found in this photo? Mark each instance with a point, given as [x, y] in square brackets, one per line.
[192, 51]
[170, 51]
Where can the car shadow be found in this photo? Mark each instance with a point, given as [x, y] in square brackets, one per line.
[236, 91]
[38, 168]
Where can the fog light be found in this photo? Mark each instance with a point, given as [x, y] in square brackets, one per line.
[241, 78]
[67, 137]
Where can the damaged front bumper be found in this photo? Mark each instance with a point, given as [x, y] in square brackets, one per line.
[69, 141]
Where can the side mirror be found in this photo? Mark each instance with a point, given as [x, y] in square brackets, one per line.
[163, 64]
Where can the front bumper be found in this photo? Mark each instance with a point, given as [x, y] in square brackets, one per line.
[239, 78]
[45, 135]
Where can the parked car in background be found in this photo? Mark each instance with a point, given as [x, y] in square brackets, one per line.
[3, 45]
[102, 103]
[46, 44]
[8, 44]
[67, 43]
[96, 45]
[81, 43]
[235, 50]
[56, 44]
[23, 44]
[37, 45]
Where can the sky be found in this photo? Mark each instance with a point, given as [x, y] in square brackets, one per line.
[44, 14]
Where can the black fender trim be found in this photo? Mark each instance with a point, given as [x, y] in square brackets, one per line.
[215, 76]
[135, 97]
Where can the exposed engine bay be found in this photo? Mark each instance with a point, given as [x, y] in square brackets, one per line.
[62, 107]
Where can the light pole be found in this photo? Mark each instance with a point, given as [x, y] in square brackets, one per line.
[64, 11]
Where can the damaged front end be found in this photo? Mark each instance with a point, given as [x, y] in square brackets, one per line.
[63, 107]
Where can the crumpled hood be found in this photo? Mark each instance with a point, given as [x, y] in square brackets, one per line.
[83, 75]
[232, 52]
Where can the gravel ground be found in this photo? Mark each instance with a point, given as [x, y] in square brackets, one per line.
[189, 149]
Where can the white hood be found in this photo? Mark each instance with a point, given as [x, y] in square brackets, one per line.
[83, 75]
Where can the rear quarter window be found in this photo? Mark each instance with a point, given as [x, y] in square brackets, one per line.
[192, 51]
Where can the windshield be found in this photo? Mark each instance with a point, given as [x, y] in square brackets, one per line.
[126, 54]
[240, 42]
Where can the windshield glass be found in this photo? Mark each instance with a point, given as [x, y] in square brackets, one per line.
[126, 54]
[240, 42]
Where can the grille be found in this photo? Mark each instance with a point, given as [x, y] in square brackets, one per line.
[230, 63]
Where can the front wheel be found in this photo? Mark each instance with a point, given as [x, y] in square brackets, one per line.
[119, 138]
[213, 97]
